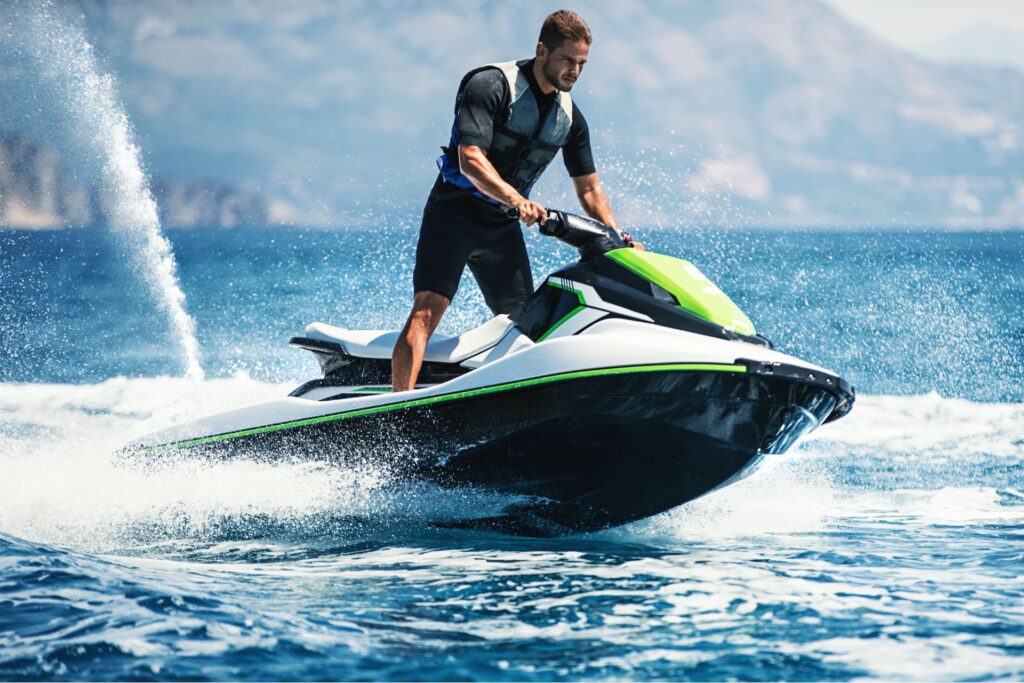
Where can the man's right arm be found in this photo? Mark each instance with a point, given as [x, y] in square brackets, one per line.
[485, 94]
[475, 165]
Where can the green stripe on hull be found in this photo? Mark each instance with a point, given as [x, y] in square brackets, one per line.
[454, 396]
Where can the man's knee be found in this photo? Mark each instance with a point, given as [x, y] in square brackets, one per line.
[430, 300]
[427, 309]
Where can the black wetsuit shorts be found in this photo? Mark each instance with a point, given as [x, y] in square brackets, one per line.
[451, 238]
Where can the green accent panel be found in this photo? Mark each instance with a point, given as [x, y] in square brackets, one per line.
[469, 393]
[560, 322]
[373, 390]
[578, 293]
[582, 305]
[690, 287]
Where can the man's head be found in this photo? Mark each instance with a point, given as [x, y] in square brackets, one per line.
[563, 48]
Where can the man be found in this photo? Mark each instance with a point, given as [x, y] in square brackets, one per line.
[511, 119]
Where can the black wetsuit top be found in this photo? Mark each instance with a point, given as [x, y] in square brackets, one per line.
[460, 228]
[485, 101]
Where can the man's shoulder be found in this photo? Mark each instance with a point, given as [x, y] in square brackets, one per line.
[485, 77]
[496, 73]
[485, 86]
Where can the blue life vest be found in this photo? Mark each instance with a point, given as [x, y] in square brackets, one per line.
[522, 144]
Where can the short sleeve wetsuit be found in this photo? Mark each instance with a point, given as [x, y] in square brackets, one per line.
[460, 228]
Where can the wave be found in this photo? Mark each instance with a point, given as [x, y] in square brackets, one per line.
[62, 480]
[887, 545]
[931, 424]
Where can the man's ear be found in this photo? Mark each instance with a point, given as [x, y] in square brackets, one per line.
[542, 51]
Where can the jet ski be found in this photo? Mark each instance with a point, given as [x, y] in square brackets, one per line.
[628, 384]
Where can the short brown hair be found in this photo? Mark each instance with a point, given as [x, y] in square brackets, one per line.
[561, 26]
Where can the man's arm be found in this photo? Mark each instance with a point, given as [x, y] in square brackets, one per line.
[475, 165]
[579, 162]
[593, 199]
[595, 203]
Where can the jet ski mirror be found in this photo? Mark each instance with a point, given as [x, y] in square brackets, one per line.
[591, 238]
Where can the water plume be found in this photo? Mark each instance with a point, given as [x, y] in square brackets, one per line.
[97, 122]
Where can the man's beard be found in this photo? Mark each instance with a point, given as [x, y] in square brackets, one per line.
[554, 80]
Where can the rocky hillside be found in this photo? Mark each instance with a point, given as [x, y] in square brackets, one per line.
[36, 191]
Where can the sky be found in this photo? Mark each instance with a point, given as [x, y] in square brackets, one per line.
[726, 110]
[985, 31]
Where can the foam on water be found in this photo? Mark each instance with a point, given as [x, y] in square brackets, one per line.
[799, 567]
[917, 459]
[932, 425]
[98, 123]
[784, 495]
[65, 483]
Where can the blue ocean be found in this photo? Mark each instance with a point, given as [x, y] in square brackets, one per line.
[889, 544]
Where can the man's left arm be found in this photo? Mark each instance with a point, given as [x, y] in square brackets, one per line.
[579, 161]
[593, 200]
[595, 203]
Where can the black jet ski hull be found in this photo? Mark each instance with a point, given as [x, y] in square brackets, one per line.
[582, 454]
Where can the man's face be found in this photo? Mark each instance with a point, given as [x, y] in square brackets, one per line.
[563, 65]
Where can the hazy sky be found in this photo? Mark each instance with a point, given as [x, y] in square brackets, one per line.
[988, 31]
[736, 112]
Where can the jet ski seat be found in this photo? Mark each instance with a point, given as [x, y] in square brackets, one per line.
[440, 349]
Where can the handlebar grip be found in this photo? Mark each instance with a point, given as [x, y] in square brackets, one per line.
[589, 236]
[513, 213]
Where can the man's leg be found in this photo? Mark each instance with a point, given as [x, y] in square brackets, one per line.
[441, 253]
[406, 360]
[502, 269]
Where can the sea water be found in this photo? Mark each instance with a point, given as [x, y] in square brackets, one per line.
[889, 544]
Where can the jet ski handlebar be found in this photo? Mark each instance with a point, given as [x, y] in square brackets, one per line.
[590, 237]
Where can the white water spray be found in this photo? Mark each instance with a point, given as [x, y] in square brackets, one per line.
[98, 122]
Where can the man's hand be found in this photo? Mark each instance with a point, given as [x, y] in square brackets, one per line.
[630, 242]
[530, 212]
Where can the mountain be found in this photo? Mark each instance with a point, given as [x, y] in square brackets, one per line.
[36, 191]
[735, 112]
